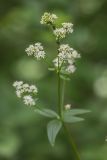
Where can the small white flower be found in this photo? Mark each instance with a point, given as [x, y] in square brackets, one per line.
[36, 50]
[25, 87]
[59, 33]
[75, 54]
[18, 93]
[65, 52]
[30, 50]
[65, 48]
[67, 106]
[33, 89]
[68, 27]
[71, 69]
[28, 100]
[48, 18]
[39, 55]
[17, 84]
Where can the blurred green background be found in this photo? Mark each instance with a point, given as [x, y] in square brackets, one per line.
[22, 132]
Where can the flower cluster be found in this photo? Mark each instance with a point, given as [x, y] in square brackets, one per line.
[68, 27]
[36, 50]
[60, 33]
[66, 58]
[26, 92]
[48, 18]
[65, 29]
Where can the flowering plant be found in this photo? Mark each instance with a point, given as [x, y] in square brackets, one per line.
[64, 64]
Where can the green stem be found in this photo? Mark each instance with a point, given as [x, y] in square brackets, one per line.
[59, 90]
[61, 103]
[60, 110]
[72, 143]
[62, 95]
[70, 139]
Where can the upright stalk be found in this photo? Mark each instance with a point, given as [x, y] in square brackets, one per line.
[69, 137]
[62, 94]
[61, 104]
[72, 143]
[59, 90]
[59, 84]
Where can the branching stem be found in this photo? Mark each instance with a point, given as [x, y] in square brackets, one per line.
[61, 106]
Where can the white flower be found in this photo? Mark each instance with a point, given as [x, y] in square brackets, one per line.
[30, 50]
[59, 33]
[48, 18]
[36, 50]
[18, 84]
[65, 48]
[25, 87]
[65, 52]
[28, 100]
[39, 55]
[71, 69]
[33, 89]
[26, 91]
[67, 106]
[67, 57]
[68, 27]
[68, 53]
[19, 93]
[75, 54]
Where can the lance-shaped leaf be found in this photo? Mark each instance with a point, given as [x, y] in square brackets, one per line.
[71, 119]
[70, 115]
[76, 111]
[47, 113]
[53, 128]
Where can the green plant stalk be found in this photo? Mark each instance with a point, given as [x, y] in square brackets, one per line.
[69, 137]
[61, 104]
[71, 141]
[59, 80]
[59, 94]
[62, 97]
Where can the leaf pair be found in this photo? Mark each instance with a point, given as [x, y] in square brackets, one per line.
[70, 116]
[54, 126]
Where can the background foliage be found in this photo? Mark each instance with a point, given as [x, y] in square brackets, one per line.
[22, 132]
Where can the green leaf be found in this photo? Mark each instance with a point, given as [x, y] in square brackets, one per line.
[69, 115]
[53, 128]
[71, 119]
[76, 111]
[47, 113]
